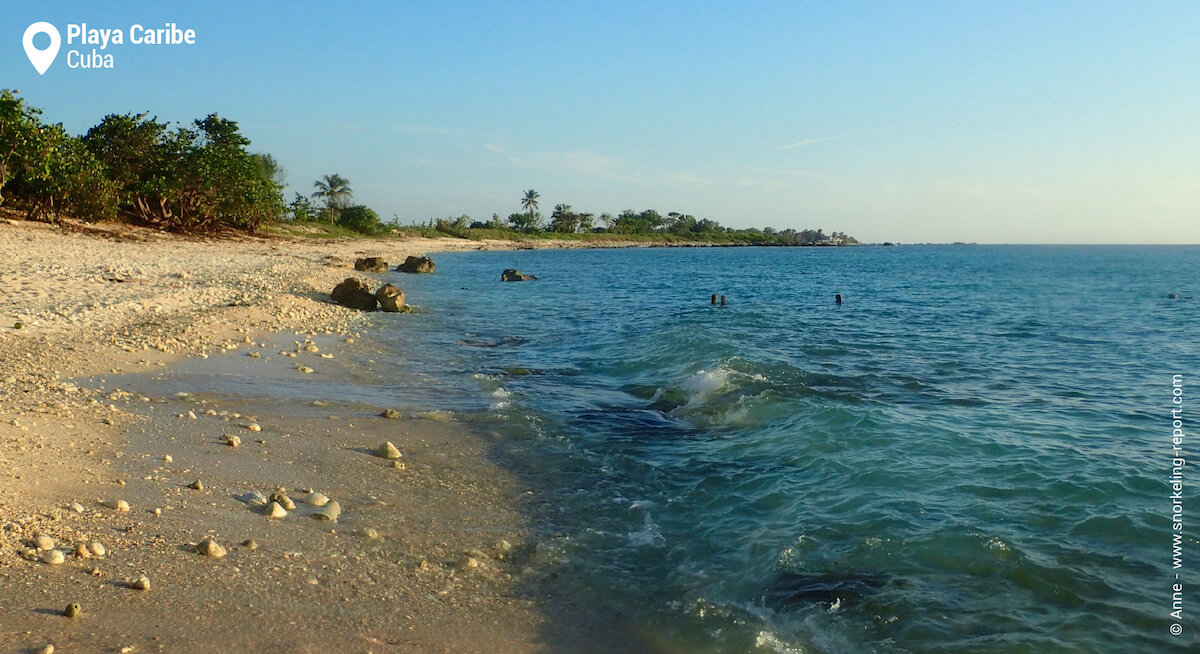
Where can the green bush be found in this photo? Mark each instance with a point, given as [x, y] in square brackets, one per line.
[361, 219]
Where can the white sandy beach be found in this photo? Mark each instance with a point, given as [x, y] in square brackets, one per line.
[428, 561]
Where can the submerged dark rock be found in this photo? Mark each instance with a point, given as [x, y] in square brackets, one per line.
[371, 264]
[416, 265]
[355, 294]
[390, 298]
[511, 275]
[792, 589]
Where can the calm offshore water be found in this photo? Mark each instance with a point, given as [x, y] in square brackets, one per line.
[970, 454]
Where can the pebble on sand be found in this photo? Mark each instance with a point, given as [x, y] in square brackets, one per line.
[76, 507]
[121, 505]
[390, 414]
[316, 499]
[168, 459]
[82, 551]
[54, 557]
[329, 512]
[97, 548]
[48, 649]
[196, 485]
[141, 583]
[231, 440]
[276, 511]
[72, 610]
[210, 548]
[43, 542]
[254, 427]
[387, 451]
[250, 544]
[280, 496]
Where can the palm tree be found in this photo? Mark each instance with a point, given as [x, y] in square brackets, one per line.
[529, 202]
[335, 190]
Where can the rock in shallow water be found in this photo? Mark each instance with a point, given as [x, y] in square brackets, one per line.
[511, 275]
[391, 298]
[416, 265]
[276, 511]
[316, 499]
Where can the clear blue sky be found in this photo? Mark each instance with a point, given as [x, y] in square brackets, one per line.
[991, 122]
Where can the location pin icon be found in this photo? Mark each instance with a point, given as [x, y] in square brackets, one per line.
[41, 59]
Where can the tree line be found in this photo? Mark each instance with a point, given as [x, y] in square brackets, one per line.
[564, 219]
[203, 177]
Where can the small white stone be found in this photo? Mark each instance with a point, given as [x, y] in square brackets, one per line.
[210, 548]
[53, 557]
[167, 459]
[254, 427]
[387, 451]
[76, 507]
[43, 542]
[121, 505]
[277, 511]
[329, 512]
[97, 548]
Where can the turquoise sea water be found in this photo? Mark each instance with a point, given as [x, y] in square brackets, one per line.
[971, 453]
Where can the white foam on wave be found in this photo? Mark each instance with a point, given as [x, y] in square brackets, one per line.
[770, 642]
[648, 536]
[702, 384]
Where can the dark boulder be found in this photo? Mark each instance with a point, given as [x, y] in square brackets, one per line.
[390, 298]
[355, 294]
[371, 264]
[511, 275]
[416, 265]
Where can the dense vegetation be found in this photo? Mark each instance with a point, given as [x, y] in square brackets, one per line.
[189, 179]
[203, 178]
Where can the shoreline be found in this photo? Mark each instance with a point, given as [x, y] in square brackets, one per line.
[124, 304]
